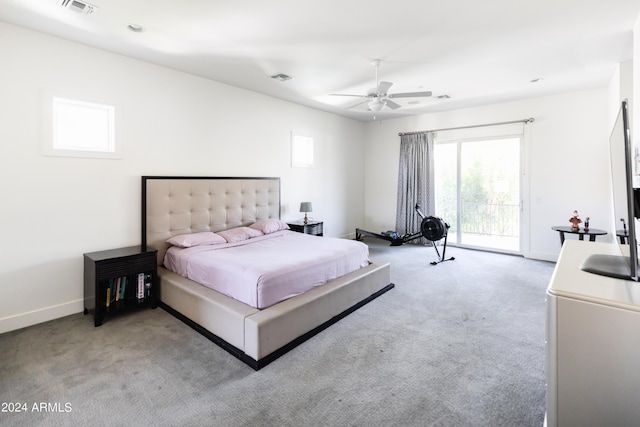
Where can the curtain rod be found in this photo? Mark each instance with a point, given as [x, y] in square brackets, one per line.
[529, 120]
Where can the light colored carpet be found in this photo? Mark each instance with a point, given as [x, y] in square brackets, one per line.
[457, 344]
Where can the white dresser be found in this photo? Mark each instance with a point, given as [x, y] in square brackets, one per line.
[593, 344]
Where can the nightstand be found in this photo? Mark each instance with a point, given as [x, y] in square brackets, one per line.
[311, 227]
[118, 280]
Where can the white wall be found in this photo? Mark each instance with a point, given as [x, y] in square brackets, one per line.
[566, 155]
[54, 209]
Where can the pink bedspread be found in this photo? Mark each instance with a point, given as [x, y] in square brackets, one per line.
[265, 270]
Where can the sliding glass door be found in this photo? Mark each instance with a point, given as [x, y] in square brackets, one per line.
[477, 191]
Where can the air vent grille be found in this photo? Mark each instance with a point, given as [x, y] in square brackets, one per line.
[281, 77]
[78, 6]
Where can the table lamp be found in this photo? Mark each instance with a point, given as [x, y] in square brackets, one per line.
[305, 207]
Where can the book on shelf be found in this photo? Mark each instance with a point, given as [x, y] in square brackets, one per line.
[118, 289]
[141, 286]
[147, 285]
[124, 286]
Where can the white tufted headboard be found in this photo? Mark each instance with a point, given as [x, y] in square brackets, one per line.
[182, 205]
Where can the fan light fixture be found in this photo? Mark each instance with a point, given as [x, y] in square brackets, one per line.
[376, 105]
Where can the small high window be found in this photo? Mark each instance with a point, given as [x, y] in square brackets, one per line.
[301, 151]
[80, 129]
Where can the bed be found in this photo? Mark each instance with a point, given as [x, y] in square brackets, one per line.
[257, 333]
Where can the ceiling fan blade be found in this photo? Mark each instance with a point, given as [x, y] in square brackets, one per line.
[356, 105]
[383, 87]
[346, 94]
[391, 104]
[411, 95]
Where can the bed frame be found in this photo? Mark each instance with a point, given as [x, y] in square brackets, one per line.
[181, 205]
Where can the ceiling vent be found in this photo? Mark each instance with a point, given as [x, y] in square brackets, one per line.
[281, 77]
[78, 6]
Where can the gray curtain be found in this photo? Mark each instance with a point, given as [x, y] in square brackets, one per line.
[415, 183]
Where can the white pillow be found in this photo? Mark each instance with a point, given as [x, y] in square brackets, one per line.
[196, 239]
[239, 234]
[268, 226]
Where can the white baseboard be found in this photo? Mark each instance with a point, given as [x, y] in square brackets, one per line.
[543, 256]
[30, 318]
[350, 236]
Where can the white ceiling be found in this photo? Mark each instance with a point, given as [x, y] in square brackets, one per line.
[476, 52]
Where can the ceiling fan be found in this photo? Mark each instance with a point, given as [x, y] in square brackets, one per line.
[378, 98]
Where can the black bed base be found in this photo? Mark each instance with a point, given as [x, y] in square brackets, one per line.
[259, 364]
[390, 236]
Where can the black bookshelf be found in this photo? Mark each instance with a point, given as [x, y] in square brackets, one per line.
[118, 280]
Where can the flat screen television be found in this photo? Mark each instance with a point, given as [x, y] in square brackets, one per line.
[626, 206]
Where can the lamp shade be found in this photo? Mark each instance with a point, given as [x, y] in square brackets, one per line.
[305, 207]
